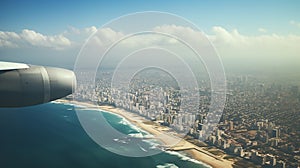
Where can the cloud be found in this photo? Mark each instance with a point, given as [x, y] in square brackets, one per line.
[32, 38]
[181, 32]
[294, 23]
[73, 31]
[234, 48]
[37, 39]
[245, 51]
[90, 30]
[72, 37]
[79, 36]
[256, 52]
[8, 39]
[9, 35]
[106, 36]
[233, 40]
[223, 37]
[262, 30]
[163, 36]
[8, 44]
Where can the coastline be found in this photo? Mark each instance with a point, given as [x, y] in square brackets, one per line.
[161, 133]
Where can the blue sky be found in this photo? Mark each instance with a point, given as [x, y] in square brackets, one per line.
[52, 32]
[51, 17]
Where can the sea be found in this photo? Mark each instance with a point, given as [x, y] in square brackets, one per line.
[51, 136]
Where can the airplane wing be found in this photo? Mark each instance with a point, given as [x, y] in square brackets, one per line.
[25, 85]
[12, 66]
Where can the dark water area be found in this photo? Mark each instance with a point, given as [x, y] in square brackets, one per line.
[50, 135]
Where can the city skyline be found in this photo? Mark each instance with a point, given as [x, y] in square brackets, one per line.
[258, 126]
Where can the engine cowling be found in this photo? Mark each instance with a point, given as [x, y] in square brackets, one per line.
[34, 85]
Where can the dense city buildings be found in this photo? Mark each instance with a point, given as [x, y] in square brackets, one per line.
[260, 121]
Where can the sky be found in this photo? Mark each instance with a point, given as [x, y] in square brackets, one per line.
[52, 32]
[55, 16]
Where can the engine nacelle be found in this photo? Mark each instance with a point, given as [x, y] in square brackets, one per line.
[34, 85]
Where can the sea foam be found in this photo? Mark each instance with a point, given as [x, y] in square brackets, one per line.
[186, 158]
[167, 165]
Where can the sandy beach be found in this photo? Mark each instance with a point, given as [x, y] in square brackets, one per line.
[171, 140]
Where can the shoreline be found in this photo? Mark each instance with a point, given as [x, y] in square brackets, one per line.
[161, 133]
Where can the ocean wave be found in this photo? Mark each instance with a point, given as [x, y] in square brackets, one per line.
[89, 109]
[56, 102]
[186, 158]
[67, 104]
[75, 105]
[153, 141]
[167, 165]
[145, 133]
[120, 141]
[143, 149]
[148, 136]
[124, 121]
[136, 135]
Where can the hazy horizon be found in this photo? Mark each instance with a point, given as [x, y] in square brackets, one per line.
[249, 37]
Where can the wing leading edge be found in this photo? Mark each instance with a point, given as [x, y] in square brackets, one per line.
[12, 66]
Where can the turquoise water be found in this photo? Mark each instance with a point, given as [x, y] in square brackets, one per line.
[50, 135]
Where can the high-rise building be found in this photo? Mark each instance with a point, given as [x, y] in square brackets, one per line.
[275, 133]
[200, 125]
[280, 164]
[231, 126]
